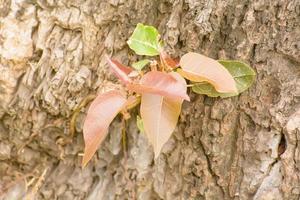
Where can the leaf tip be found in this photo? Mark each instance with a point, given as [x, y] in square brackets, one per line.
[187, 98]
[83, 165]
[156, 153]
[84, 162]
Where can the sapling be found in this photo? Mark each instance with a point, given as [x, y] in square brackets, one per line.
[158, 84]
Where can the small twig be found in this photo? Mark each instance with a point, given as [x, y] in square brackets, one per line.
[124, 139]
[31, 137]
[132, 102]
[153, 65]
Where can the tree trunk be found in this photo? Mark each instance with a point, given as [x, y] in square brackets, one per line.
[52, 59]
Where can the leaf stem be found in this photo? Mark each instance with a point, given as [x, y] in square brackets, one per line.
[191, 85]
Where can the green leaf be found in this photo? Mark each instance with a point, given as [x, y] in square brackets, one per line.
[243, 75]
[140, 124]
[145, 40]
[140, 64]
[207, 89]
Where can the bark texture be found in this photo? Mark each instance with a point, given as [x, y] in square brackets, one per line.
[52, 58]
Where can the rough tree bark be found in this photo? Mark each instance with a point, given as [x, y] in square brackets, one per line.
[245, 147]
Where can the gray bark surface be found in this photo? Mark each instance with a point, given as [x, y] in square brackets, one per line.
[52, 58]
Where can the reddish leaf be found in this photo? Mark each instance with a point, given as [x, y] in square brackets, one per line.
[160, 115]
[100, 114]
[160, 83]
[120, 70]
[168, 61]
[198, 68]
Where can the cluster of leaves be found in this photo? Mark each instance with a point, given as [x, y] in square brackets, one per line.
[158, 85]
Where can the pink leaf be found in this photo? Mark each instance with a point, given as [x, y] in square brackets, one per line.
[100, 114]
[160, 83]
[160, 115]
[120, 70]
[199, 68]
